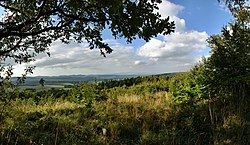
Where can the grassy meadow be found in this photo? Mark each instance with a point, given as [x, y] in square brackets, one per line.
[142, 110]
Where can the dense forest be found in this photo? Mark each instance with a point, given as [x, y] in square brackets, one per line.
[207, 105]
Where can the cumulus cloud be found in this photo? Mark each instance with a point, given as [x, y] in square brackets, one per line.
[182, 48]
[166, 8]
[138, 62]
[175, 46]
[79, 59]
[171, 10]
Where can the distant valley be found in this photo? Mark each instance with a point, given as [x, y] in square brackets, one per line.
[67, 81]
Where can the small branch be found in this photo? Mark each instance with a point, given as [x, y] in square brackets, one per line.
[81, 19]
[4, 52]
[13, 9]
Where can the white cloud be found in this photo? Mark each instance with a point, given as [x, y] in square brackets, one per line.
[168, 9]
[180, 49]
[176, 45]
[153, 49]
[138, 62]
[78, 58]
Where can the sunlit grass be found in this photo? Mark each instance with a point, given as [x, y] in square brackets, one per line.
[55, 106]
[126, 117]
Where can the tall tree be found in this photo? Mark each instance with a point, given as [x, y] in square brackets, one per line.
[28, 27]
[230, 55]
[41, 82]
[228, 70]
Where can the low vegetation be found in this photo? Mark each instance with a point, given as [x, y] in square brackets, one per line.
[142, 110]
[131, 114]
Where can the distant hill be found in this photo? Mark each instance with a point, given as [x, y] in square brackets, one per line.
[72, 79]
[170, 74]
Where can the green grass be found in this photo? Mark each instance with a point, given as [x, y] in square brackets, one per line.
[128, 119]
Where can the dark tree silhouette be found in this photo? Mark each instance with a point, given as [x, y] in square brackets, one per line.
[42, 82]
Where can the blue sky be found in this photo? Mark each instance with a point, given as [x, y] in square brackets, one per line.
[207, 16]
[196, 20]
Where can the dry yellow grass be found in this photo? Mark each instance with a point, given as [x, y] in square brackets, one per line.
[28, 108]
[138, 107]
[152, 101]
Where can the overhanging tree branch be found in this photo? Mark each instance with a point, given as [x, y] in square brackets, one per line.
[35, 24]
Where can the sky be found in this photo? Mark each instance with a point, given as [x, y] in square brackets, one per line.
[195, 21]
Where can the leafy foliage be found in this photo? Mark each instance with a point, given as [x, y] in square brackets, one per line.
[189, 87]
[229, 66]
[234, 5]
